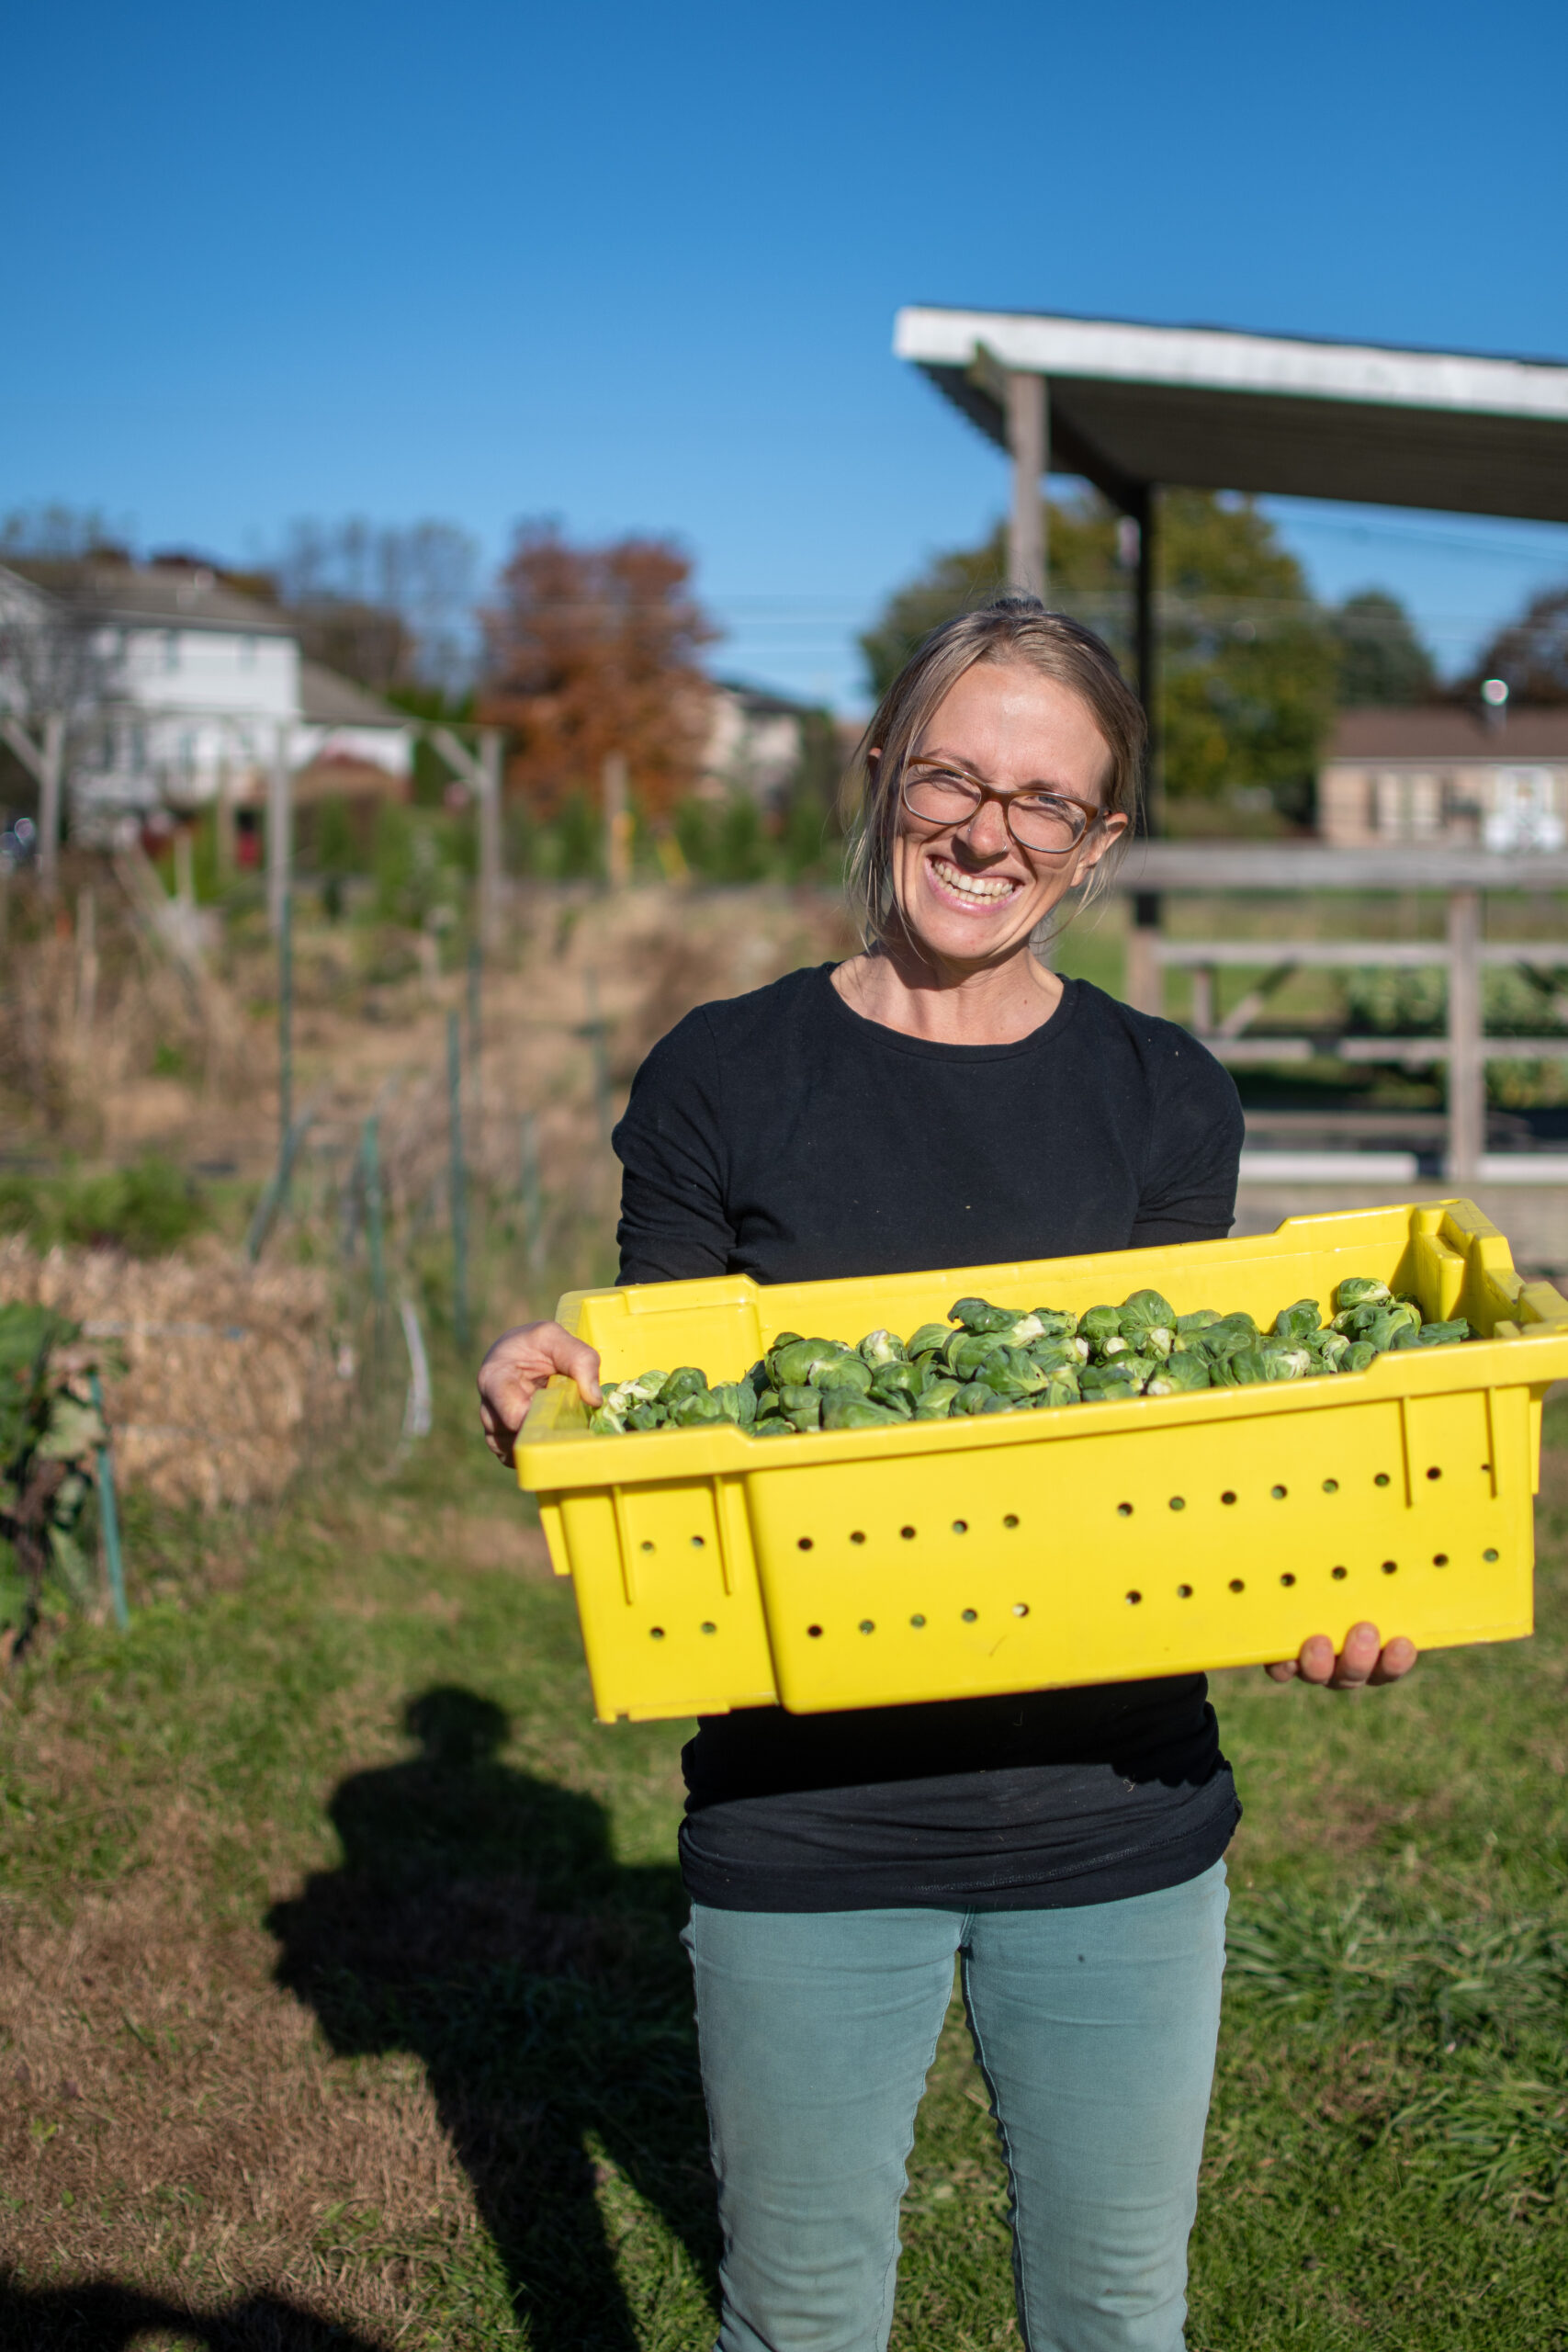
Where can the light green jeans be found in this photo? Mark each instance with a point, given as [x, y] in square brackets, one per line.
[1095, 2027]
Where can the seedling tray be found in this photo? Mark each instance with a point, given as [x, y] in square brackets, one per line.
[1098, 1543]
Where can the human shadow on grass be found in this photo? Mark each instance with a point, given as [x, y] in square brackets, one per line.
[480, 1921]
[100, 2315]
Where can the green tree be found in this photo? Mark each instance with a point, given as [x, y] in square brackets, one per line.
[1380, 660]
[1246, 659]
[1530, 653]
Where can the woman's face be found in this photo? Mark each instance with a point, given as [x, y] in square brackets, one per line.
[968, 893]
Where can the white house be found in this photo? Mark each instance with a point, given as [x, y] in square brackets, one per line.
[183, 691]
[754, 743]
[1446, 774]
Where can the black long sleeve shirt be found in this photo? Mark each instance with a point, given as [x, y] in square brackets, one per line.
[782, 1136]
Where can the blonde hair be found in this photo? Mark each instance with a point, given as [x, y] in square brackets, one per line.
[1012, 628]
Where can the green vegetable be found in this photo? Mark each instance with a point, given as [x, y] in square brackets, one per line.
[1183, 1372]
[1296, 1322]
[842, 1409]
[1361, 1290]
[910, 1378]
[929, 1340]
[880, 1348]
[1102, 1323]
[935, 1400]
[687, 1382]
[794, 1365]
[976, 1315]
[691, 1412]
[774, 1426]
[1358, 1355]
[737, 1400]
[800, 1403]
[606, 1422]
[1198, 1321]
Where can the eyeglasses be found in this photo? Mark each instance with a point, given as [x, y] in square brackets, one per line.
[1048, 824]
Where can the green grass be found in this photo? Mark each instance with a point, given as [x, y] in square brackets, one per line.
[348, 1981]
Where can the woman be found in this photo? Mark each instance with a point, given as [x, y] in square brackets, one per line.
[945, 1100]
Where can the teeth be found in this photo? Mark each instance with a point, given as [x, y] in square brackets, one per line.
[973, 886]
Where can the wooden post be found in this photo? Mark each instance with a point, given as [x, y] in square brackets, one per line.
[491, 877]
[617, 822]
[1146, 644]
[1144, 975]
[223, 827]
[87, 964]
[279, 828]
[457, 1183]
[1028, 440]
[50, 791]
[1467, 1065]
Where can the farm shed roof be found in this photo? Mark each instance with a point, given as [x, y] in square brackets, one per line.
[1132, 405]
[1448, 731]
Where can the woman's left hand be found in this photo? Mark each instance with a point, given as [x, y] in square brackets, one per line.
[1366, 1657]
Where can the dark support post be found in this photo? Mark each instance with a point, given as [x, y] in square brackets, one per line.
[1028, 440]
[284, 1039]
[459, 1186]
[1143, 977]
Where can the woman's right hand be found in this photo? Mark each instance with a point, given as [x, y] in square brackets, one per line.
[517, 1366]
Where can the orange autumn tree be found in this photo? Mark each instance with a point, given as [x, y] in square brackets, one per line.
[594, 650]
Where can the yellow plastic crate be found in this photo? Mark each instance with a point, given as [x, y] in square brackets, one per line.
[1101, 1542]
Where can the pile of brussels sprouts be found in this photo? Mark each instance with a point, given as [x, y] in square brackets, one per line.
[999, 1361]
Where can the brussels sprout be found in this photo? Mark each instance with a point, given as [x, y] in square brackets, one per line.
[1443, 1335]
[1102, 1323]
[1358, 1354]
[1054, 1355]
[1115, 1346]
[800, 1397]
[929, 1340]
[774, 1426]
[1146, 1310]
[1183, 1370]
[978, 1315]
[1153, 1340]
[691, 1412]
[1056, 1322]
[606, 1422]
[1201, 1319]
[881, 1347]
[1019, 1330]
[784, 1340]
[1115, 1379]
[737, 1400]
[1295, 1322]
[1361, 1290]
[1280, 1363]
[843, 1408]
[973, 1397]
[1244, 1369]
[1383, 1325]
[968, 1351]
[644, 1388]
[934, 1401]
[844, 1372]
[910, 1378]
[1061, 1388]
[758, 1376]
[898, 1400]
[685, 1381]
[1229, 1336]
[646, 1417]
[1012, 1372]
[1328, 1346]
[767, 1401]
[795, 1364]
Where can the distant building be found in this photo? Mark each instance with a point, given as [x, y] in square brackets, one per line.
[190, 692]
[1443, 775]
[754, 744]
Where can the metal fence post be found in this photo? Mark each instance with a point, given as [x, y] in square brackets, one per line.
[459, 1190]
[284, 1039]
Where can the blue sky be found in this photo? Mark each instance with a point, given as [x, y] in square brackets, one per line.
[638, 268]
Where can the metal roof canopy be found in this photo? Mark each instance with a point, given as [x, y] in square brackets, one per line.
[1132, 405]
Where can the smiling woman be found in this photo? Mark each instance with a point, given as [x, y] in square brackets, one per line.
[943, 1099]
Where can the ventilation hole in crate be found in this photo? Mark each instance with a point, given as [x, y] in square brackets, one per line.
[907, 1533]
[1239, 1584]
[1021, 1608]
[1489, 1555]
[656, 1632]
[708, 1626]
[1179, 1502]
[1390, 1567]
[1134, 1598]
[1227, 1496]
[1279, 1493]
[1331, 1485]
[647, 1546]
[1440, 1560]
[1434, 1472]
[1382, 1478]
[1340, 1575]
[1184, 1592]
[815, 1632]
[961, 1527]
[698, 1542]
[969, 1616]
[1011, 1519]
[857, 1535]
[802, 1543]
[1123, 1511]
[1287, 1578]
[868, 1624]
[916, 1619]
[1486, 1469]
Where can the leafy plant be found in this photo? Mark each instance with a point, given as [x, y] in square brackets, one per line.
[50, 1434]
